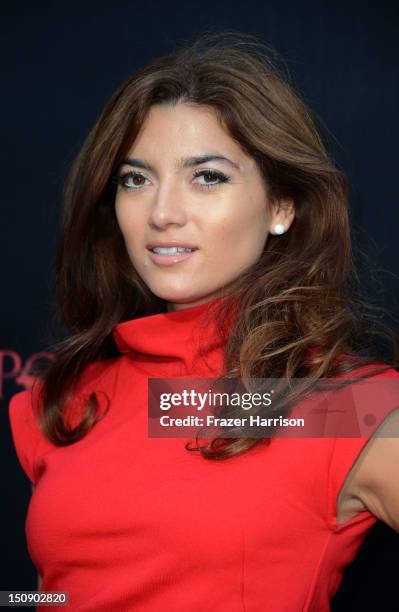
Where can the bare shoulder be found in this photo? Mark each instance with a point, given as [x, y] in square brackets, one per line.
[373, 481]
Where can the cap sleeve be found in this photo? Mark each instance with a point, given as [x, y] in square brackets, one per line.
[372, 401]
[26, 433]
[28, 438]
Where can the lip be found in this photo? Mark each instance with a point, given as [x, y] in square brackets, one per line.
[170, 243]
[170, 260]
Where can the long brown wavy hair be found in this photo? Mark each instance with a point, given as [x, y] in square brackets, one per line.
[304, 291]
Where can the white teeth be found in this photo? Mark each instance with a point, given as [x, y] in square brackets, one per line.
[171, 250]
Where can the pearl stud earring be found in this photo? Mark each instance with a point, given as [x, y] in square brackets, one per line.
[279, 228]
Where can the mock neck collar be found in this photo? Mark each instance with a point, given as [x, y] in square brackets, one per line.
[179, 338]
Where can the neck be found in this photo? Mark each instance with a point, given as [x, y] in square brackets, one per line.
[209, 297]
[188, 341]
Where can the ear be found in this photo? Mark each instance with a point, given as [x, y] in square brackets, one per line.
[283, 213]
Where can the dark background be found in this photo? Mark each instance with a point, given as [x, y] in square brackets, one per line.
[61, 61]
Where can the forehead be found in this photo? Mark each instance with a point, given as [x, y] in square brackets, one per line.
[184, 130]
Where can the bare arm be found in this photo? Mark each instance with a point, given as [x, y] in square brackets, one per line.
[377, 478]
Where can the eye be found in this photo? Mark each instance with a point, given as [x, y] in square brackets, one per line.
[133, 181]
[130, 181]
[210, 177]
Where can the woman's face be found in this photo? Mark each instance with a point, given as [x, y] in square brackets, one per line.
[217, 206]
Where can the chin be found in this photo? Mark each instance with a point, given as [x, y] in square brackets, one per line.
[177, 299]
[183, 297]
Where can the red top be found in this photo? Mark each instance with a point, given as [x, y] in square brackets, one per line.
[126, 522]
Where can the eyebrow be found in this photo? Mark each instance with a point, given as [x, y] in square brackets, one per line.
[185, 162]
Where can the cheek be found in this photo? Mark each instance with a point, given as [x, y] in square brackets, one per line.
[241, 229]
[128, 220]
[120, 214]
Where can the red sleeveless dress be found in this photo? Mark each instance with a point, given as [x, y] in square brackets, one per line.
[125, 522]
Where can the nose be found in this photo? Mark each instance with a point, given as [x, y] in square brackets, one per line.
[168, 206]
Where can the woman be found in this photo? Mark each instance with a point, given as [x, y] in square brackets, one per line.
[208, 150]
